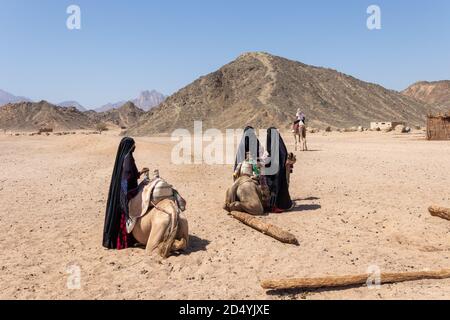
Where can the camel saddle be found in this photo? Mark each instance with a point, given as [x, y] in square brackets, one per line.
[150, 193]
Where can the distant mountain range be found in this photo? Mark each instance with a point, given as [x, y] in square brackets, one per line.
[257, 89]
[126, 115]
[145, 101]
[110, 106]
[30, 116]
[264, 90]
[6, 97]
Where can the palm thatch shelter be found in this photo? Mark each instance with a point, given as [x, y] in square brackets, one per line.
[438, 127]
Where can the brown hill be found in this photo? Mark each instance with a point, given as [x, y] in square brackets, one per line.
[125, 116]
[264, 90]
[30, 116]
[437, 93]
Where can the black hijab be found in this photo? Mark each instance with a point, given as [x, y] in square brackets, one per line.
[277, 180]
[114, 207]
[249, 143]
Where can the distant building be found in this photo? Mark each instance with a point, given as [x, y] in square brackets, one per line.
[438, 127]
[385, 125]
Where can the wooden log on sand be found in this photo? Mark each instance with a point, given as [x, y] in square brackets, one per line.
[264, 227]
[440, 212]
[351, 280]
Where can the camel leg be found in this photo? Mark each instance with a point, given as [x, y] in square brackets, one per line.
[182, 241]
[160, 224]
[227, 196]
[304, 146]
[252, 207]
[295, 138]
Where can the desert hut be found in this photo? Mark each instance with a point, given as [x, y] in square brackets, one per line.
[438, 127]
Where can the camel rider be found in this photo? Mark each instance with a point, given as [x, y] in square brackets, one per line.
[300, 116]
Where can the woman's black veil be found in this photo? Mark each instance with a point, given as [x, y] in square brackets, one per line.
[276, 170]
[249, 143]
[113, 207]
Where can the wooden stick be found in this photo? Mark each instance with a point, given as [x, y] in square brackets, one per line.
[440, 212]
[351, 280]
[265, 228]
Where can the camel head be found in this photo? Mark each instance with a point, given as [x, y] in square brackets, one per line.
[292, 158]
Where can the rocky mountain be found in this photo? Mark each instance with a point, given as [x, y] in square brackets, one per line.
[436, 93]
[75, 104]
[125, 116]
[149, 99]
[110, 106]
[263, 90]
[6, 97]
[145, 101]
[31, 116]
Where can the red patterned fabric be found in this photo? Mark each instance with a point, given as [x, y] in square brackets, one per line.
[122, 238]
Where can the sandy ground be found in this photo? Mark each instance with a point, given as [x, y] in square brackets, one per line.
[361, 199]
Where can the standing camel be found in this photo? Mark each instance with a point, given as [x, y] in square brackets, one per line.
[299, 131]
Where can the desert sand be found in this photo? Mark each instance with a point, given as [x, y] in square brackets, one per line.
[361, 199]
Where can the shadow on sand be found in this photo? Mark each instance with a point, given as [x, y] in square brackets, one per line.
[289, 292]
[306, 199]
[196, 244]
[312, 150]
[305, 207]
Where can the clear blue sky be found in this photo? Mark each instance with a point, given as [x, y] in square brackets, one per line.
[127, 46]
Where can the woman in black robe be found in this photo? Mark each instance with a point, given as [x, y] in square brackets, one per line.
[124, 186]
[249, 143]
[280, 199]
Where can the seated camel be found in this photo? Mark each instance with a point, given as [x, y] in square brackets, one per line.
[163, 228]
[245, 195]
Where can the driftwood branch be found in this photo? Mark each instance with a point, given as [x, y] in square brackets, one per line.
[440, 212]
[351, 280]
[265, 228]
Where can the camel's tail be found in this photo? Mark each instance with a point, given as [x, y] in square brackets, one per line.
[171, 232]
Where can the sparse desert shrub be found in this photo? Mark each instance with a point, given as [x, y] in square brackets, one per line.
[45, 130]
[100, 127]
